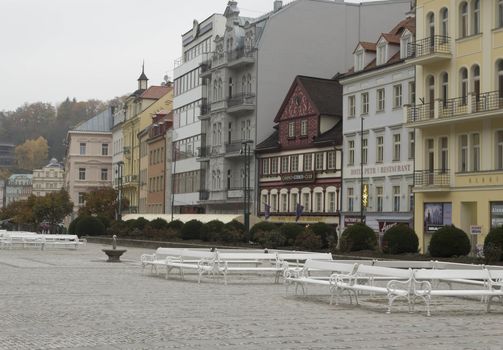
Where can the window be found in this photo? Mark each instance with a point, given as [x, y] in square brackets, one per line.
[476, 82]
[499, 149]
[364, 151]
[265, 166]
[475, 152]
[444, 154]
[379, 149]
[379, 198]
[318, 161]
[405, 49]
[412, 145]
[412, 92]
[294, 163]
[293, 204]
[359, 61]
[284, 203]
[284, 165]
[104, 174]
[463, 19]
[274, 165]
[351, 199]
[82, 173]
[463, 76]
[397, 96]
[273, 202]
[500, 78]
[81, 199]
[431, 27]
[444, 25]
[248, 129]
[365, 103]
[263, 203]
[305, 202]
[351, 151]
[380, 100]
[318, 205]
[331, 202]
[331, 160]
[445, 88]
[303, 127]
[499, 12]
[351, 106]
[463, 153]
[291, 130]
[396, 198]
[396, 147]
[104, 149]
[308, 162]
[381, 54]
[476, 17]
[82, 149]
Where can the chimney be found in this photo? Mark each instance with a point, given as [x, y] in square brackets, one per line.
[278, 4]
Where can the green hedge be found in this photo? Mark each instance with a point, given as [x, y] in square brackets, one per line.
[358, 237]
[191, 230]
[449, 241]
[291, 231]
[493, 245]
[400, 239]
[90, 226]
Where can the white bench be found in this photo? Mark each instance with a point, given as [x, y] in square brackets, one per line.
[362, 281]
[423, 288]
[268, 262]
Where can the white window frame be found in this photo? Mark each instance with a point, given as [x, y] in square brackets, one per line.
[307, 162]
[381, 100]
[303, 127]
[396, 147]
[396, 199]
[351, 106]
[351, 152]
[379, 149]
[291, 130]
[397, 96]
[365, 103]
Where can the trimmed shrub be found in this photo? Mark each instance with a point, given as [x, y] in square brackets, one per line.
[119, 228]
[291, 231]
[449, 241]
[72, 228]
[105, 220]
[175, 225]
[90, 226]
[400, 239]
[233, 232]
[236, 225]
[308, 240]
[358, 237]
[493, 245]
[264, 226]
[212, 230]
[159, 224]
[324, 231]
[270, 239]
[191, 229]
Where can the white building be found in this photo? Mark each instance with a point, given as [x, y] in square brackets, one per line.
[374, 93]
[50, 178]
[19, 187]
[253, 65]
[188, 103]
[118, 115]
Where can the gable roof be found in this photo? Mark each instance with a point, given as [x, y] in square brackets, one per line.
[322, 93]
[270, 143]
[367, 46]
[331, 136]
[102, 122]
[155, 92]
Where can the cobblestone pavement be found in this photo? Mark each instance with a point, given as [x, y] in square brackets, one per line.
[64, 299]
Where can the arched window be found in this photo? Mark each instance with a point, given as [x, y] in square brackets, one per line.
[445, 88]
[499, 13]
[476, 16]
[230, 87]
[476, 81]
[430, 84]
[499, 83]
[220, 89]
[431, 25]
[444, 28]
[463, 19]
[463, 89]
[215, 90]
[243, 84]
[249, 84]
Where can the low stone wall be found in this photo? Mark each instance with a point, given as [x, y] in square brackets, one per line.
[151, 244]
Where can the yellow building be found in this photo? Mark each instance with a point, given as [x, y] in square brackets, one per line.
[458, 116]
[139, 107]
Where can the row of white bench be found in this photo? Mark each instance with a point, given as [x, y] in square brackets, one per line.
[418, 280]
[23, 239]
[223, 262]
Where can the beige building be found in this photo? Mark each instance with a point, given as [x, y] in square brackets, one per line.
[457, 116]
[89, 157]
[48, 179]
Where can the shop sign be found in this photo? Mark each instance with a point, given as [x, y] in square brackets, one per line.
[496, 214]
[386, 225]
[305, 219]
[298, 177]
[351, 220]
[475, 229]
[402, 168]
[437, 215]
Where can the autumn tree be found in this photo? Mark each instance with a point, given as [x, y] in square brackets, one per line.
[102, 202]
[20, 212]
[52, 208]
[32, 154]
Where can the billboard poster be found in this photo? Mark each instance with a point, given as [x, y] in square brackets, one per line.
[437, 215]
[496, 214]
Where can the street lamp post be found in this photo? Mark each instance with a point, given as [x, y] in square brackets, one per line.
[361, 171]
[120, 164]
[246, 185]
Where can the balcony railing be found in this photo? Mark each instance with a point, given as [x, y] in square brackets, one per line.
[453, 106]
[205, 107]
[130, 179]
[239, 53]
[417, 113]
[432, 178]
[241, 99]
[204, 152]
[488, 101]
[429, 46]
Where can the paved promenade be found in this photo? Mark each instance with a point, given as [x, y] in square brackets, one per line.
[64, 299]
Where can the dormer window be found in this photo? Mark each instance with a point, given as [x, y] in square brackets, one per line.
[359, 61]
[381, 54]
[405, 43]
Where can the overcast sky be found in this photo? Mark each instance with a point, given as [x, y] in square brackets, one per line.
[51, 49]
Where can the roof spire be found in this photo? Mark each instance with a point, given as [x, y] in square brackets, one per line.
[142, 80]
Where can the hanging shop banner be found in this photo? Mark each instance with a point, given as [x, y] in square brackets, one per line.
[351, 220]
[386, 225]
[437, 215]
[496, 214]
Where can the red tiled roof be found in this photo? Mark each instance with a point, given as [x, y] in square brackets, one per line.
[366, 46]
[155, 92]
[409, 23]
[391, 38]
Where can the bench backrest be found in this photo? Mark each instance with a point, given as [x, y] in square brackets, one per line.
[162, 253]
[452, 274]
[304, 256]
[403, 264]
[456, 266]
[354, 261]
[247, 256]
[60, 237]
[366, 270]
[330, 266]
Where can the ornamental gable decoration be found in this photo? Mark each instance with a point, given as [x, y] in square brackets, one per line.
[298, 105]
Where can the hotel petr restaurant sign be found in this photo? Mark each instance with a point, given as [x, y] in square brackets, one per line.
[390, 169]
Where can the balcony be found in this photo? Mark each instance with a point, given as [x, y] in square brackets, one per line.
[130, 180]
[235, 149]
[436, 180]
[205, 69]
[205, 109]
[203, 153]
[429, 50]
[240, 57]
[204, 195]
[127, 151]
[459, 109]
[241, 103]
